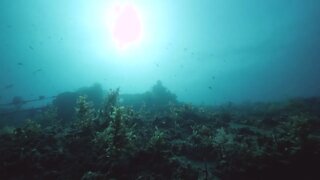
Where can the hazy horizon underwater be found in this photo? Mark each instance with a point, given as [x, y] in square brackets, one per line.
[209, 52]
[141, 89]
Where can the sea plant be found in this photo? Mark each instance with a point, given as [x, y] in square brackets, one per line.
[157, 140]
[110, 104]
[292, 134]
[223, 141]
[84, 113]
[116, 139]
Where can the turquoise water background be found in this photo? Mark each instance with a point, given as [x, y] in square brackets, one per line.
[205, 51]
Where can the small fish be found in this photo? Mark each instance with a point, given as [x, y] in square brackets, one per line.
[20, 63]
[37, 71]
[30, 47]
[17, 101]
[213, 77]
[41, 97]
[210, 87]
[9, 86]
[185, 49]
[157, 64]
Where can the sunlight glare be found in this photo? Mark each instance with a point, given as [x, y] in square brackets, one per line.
[126, 27]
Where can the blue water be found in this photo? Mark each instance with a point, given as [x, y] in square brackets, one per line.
[206, 51]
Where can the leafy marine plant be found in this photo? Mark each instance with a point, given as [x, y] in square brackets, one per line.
[292, 134]
[116, 140]
[48, 118]
[85, 113]
[157, 140]
[225, 144]
[32, 128]
[110, 104]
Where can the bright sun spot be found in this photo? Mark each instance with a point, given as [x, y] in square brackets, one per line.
[126, 26]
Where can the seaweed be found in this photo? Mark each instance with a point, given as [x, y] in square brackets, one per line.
[165, 141]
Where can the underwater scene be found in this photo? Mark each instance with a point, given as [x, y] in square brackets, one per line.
[160, 90]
